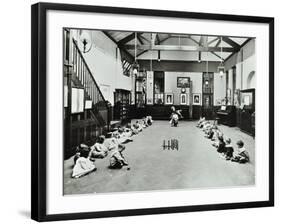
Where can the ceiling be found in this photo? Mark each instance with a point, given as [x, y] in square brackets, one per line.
[140, 43]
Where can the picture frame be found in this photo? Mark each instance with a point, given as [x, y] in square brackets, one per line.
[184, 99]
[169, 98]
[40, 109]
[196, 99]
[183, 82]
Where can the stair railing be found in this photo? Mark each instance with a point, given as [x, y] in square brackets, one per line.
[92, 90]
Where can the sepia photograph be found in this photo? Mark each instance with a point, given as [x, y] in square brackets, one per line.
[129, 124]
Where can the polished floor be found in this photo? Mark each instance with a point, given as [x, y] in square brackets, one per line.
[196, 164]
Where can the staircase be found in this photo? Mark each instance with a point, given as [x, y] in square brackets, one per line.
[86, 126]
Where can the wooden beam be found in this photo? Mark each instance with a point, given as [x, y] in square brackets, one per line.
[157, 39]
[127, 38]
[139, 38]
[245, 42]
[203, 41]
[214, 40]
[139, 54]
[143, 38]
[231, 43]
[129, 57]
[218, 43]
[144, 51]
[166, 38]
[178, 66]
[192, 39]
[221, 58]
[178, 48]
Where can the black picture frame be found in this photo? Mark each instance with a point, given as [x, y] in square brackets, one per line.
[183, 85]
[39, 110]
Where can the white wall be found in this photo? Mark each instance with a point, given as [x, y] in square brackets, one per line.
[245, 62]
[104, 61]
[171, 83]
[249, 65]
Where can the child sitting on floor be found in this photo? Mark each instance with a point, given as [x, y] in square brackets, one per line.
[117, 159]
[111, 141]
[124, 136]
[206, 126]
[221, 145]
[175, 116]
[138, 126]
[83, 165]
[243, 155]
[143, 123]
[200, 122]
[78, 150]
[149, 120]
[228, 149]
[134, 129]
[211, 132]
[98, 150]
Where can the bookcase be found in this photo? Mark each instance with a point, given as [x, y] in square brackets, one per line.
[122, 99]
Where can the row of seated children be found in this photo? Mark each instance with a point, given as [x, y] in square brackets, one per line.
[113, 144]
[138, 126]
[223, 144]
[85, 155]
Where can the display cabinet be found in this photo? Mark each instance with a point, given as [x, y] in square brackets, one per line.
[122, 99]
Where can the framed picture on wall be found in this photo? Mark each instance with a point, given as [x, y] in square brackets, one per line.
[183, 82]
[169, 98]
[184, 99]
[70, 43]
[196, 99]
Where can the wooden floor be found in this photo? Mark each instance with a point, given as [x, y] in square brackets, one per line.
[195, 165]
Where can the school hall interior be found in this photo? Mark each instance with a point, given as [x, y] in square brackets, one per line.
[116, 79]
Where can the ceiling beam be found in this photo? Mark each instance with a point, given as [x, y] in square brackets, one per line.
[157, 39]
[144, 38]
[231, 43]
[166, 38]
[121, 47]
[178, 48]
[221, 58]
[139, 54]
[192, 39]
[214, 40]
[218, 43]
[201, 41]
[139, 38]
[161, 41]
[127, 38]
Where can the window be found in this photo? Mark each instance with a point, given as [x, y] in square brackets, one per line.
[126, 67]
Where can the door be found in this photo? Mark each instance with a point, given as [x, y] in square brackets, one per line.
[208, 95]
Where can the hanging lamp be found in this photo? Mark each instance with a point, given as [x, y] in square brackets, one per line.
[135, 64]
[221, 66]
[207, 63]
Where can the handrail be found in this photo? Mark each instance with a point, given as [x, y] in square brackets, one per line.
[89, 71]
